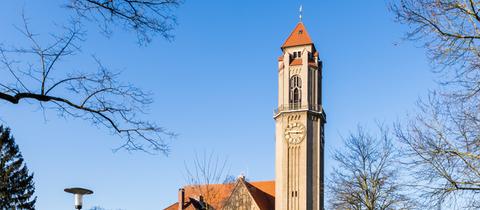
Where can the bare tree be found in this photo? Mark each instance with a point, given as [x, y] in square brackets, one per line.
[443, 150]
[145, 17]
[205, 173]
[449, 30]
[35, 74]
[442, 139]
[367, 174]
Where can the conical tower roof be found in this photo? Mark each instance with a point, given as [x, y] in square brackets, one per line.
[299, 36]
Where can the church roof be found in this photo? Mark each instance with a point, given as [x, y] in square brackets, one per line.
[218, 194]
[262, 192]
[265, 186]
[299, 36]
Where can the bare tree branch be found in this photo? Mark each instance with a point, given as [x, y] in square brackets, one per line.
[97, 97]
[206, 171]
[449, 30]
[443, 152]
[145, 17]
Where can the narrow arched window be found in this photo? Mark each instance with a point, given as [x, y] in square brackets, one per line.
[295, 92]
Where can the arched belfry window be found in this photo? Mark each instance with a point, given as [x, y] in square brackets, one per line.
[295, 91]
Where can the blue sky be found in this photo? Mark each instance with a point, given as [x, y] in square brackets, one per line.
[215, 85]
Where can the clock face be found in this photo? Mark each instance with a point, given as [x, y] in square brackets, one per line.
[295, 133]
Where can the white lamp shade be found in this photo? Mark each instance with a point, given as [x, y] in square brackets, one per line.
[78, 199]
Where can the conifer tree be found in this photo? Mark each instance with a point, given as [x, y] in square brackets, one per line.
[16, 184]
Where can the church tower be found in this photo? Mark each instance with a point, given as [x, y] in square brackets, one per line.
[299, 125]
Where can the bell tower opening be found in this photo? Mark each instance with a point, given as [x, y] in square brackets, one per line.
[295, 92]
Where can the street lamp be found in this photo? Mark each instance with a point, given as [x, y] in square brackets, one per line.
[78, 192]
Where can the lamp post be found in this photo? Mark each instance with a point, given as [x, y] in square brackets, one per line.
[78, 193]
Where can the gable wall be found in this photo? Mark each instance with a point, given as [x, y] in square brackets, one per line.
[240, 199]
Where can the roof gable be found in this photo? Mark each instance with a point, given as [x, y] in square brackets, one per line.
[256, 195]
[240, 196]
[299, 36]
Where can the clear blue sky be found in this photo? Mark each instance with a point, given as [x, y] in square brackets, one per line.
[215, 85]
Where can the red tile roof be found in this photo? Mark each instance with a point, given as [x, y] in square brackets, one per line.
[262, 192]
[265, 186]
[214, 194]
[299, 36]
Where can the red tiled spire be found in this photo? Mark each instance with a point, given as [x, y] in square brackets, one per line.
[299, 36]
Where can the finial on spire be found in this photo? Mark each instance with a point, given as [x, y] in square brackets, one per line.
[301, 11]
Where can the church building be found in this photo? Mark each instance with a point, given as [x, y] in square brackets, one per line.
[299, 143]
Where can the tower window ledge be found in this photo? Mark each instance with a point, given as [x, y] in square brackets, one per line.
[298, 107]
[296, 62]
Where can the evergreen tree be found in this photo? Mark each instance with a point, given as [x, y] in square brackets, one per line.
[16, 184]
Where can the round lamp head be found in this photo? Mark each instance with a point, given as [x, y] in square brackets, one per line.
[78, 192]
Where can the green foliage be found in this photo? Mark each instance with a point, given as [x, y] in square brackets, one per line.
[16, 184]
